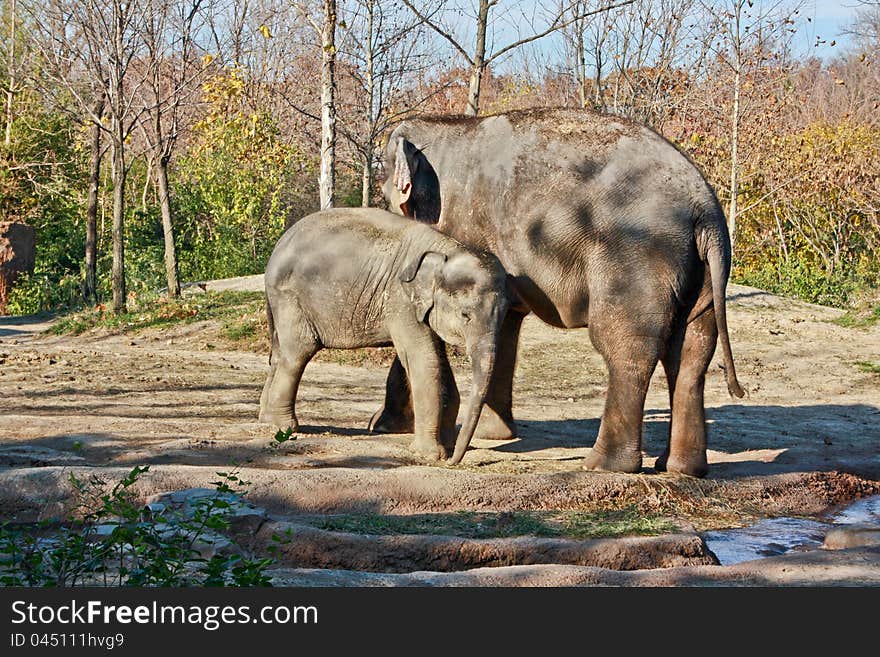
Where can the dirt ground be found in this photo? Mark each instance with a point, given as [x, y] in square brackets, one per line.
[184, 401]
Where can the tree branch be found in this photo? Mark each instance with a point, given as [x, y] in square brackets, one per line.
[427, 21]
[554, 26]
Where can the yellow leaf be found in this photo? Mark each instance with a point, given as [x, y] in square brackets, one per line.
[265, 32]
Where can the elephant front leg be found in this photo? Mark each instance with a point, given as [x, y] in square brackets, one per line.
[496, 420]
[421, 358]
[450, 399]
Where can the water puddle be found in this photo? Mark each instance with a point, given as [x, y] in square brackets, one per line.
[775, 536]
[866, 509]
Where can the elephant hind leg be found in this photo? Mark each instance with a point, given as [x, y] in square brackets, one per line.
[631, 360]
[293, 347]
[686, 362]
[396, 414]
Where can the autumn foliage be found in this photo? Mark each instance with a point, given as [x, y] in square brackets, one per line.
[248, 133]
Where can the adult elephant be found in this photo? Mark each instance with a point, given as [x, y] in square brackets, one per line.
[601, 223]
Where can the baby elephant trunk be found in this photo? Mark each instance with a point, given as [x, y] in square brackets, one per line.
[482, 354]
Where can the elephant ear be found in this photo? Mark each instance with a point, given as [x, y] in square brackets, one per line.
[419, 279]
[406, 163]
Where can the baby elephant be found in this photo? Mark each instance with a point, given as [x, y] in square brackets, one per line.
[348, 278]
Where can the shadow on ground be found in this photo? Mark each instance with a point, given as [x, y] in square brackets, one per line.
[743, 441]
[818, 437]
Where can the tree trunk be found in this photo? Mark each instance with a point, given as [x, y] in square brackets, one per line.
[171, 273]
[783, 243]
[581, 63]
[479, 65]
[10, 92]
[327, 179]
[734, 161]
[90, 286]
[119, 175]
[367, 176]
[119, 172]
[367, 179]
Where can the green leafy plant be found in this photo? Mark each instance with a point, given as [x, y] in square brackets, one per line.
[118, 542]
[282, 436]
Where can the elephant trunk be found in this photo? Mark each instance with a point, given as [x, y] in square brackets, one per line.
[482, 354]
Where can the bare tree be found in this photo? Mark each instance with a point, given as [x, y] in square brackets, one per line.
[744, 37]
[168, 32]
[388, 56]
[640, 56]
[866, 27]
[327, 177]
[584, 42]
[88, 47]
[96, 152]
[11, 71]
[479, 59]
[325, 28]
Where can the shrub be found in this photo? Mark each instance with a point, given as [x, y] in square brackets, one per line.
[117, 542]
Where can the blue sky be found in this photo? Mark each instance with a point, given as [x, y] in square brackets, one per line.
[830, 19]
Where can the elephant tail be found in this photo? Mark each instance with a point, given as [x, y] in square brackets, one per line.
[273, 337]
[713, 243]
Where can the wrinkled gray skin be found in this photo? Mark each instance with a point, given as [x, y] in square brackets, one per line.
[601, 223]
[349, 278]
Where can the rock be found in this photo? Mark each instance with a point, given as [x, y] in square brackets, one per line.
[17, 255]
[309, 547]
[104, 529]
[191, 289]
[153, 509]
[212, 544]
[859, 567]
[851, 536]
[243, 517]
[207, 544]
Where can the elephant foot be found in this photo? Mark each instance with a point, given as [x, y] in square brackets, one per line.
[279, 419]
[493, 427]
[430, 449]
[384, 421]
[621, 461]
[692, 466]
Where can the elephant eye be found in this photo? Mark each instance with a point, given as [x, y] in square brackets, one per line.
[466, 316]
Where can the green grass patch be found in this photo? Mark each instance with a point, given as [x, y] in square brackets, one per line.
[855, 319]
[468, 524]
[241, 329]
[621, 522]
[868, 367]
[158, 312]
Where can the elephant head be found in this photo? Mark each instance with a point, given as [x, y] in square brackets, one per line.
[463, 298]
[412, 188]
